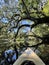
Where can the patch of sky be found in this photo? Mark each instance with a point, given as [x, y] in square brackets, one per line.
[15, 29]
[25, 29]
[17, 0]
[4, 20]
[1, 2]
[26, 22]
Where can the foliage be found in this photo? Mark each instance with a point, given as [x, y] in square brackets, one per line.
[34, 32]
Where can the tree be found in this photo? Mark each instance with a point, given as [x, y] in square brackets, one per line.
[36, 13]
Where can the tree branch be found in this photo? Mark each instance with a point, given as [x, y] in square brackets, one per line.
[26, 8]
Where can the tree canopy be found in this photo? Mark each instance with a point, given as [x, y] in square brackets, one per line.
[24, 23]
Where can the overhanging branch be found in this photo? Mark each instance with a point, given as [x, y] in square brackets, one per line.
[26, 8]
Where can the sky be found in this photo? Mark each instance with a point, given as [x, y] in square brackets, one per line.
[26, 28]
[5, 20]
